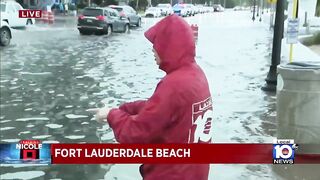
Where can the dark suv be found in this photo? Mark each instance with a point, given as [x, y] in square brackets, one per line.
[101, 20]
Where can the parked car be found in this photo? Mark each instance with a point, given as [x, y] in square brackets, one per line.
[101, 20]
[180, 10]
[153, 12]
[196, 9]
[166, 9]
[5, 33]
[129, 13]
[208, 9]
[191, 9]
[238, 8]
[218, 8]
[10, 14]
[201, 9]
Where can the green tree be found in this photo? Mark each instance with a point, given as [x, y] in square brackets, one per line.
[108, 2]
[97, 2]
[143, 4]
[199, 1]
[133, 4]
[231, 3]
[156, 2]
[318, 9]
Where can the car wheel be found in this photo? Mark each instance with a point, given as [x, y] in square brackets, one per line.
[5, 36]
[139, 23]
[126, 28]
[29, 22]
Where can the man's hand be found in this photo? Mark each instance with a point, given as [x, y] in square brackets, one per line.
[101, 114]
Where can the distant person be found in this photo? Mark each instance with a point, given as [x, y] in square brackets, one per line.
[180, 109]
[61, 8]
[66, 8]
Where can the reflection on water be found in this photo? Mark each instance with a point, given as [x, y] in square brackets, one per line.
[47, 86]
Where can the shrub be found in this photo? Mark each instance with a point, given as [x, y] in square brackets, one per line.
[314, 40]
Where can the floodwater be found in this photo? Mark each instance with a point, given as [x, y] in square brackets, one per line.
[51, 75]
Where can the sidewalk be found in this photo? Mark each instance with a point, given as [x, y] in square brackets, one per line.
[315, 48]
[300, 51]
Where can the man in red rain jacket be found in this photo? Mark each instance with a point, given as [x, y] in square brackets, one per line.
[179, 111]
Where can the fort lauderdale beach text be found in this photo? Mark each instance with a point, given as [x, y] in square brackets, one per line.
[127, 152]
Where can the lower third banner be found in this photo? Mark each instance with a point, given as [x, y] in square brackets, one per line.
[179, 153]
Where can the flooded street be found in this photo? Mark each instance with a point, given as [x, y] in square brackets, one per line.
[51, 75]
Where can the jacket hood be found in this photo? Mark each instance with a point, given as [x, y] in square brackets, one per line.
[172, 38]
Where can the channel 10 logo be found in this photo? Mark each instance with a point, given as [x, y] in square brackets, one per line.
[283, 151]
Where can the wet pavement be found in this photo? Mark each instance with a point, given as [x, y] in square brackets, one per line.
[50, 75]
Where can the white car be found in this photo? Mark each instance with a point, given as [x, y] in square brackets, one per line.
[218, 8]
[201, 9]
[5, 33]
[209, 9]
[191, 10]
[238, 8]
[180, 10]
[153, 12]
[10, 14]
[166, 9]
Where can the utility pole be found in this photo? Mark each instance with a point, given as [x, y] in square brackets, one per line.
[254, 9]
[262, 6]
[261, 10]
[317, 13]
[258, 8]
[271, 80]
[137, 5]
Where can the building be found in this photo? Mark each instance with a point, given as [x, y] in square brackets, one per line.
[44, 4]
[306, 12]
[38, 4]
[123, 2]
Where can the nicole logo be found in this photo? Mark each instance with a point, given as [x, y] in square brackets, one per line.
[29, 149]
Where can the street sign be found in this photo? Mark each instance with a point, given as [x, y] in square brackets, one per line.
[293, 31]
[272, 1]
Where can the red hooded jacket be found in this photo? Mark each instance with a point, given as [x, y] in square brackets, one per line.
[179, 111]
